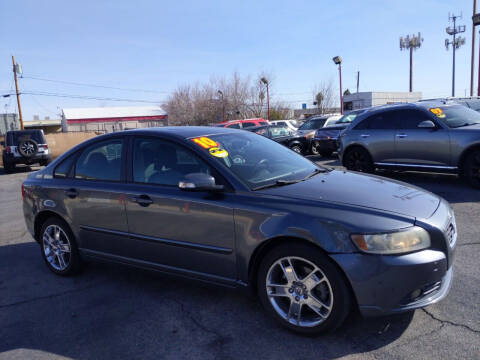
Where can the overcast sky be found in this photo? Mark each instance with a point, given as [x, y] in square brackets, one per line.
[159, 45]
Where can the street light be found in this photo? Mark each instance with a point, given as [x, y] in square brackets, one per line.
[411, 43]
[265, 81]
[338, 61]
[219, 92]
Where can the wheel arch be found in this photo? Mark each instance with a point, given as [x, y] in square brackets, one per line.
[268, 245]
[40, 219]
[464, 154]
[352, 146]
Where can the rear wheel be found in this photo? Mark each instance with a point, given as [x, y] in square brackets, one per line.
[303, 289]
[59, 249]
[358, 159]
[43, 162]
[297, 148]
[472, 169]
[314, 148]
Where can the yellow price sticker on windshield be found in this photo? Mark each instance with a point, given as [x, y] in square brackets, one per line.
[218, 152]
[437, 112]
[205, 142]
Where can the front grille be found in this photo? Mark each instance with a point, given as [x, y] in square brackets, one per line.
[451, 232]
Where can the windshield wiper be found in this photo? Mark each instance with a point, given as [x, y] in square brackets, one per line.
[288, 182]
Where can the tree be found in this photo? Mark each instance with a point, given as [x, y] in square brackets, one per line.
[323, 94]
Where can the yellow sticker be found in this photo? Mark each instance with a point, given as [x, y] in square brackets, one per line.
[438, 112]
[218, 152]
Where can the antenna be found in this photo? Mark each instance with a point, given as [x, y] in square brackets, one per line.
[456, 42]
[411, 43]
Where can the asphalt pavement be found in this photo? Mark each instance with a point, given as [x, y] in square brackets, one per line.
[115, 312]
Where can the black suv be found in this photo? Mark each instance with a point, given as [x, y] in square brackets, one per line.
[24, 147]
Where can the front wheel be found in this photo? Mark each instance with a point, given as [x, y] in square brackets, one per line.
[314, 148]
[472, 169]
[358, 159]
[303, 289]
[297, 148]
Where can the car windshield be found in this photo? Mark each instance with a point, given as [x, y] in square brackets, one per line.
[313, 124]
[256, 160]
[456, 115]
[348, 118]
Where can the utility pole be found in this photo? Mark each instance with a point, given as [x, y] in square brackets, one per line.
[472, 61]
[456, 42]
[358, 80]
[265, 81]
[411, 43]
[17, 69]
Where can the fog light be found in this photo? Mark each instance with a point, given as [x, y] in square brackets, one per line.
[415, 294]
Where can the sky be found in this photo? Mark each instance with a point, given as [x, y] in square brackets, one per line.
[157, 45]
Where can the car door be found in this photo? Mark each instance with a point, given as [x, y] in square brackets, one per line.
[376, 133]
[93, 196]
[182, 231]
[421, 146]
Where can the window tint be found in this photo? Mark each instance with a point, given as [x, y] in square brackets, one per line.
[279, 131]
[17, 137]
[409, 119]
[382, 121]
[313, 124]
[63, 170]
[156, 161]
[261, 131]
[100, 161]
[248, 124]
[234, 126]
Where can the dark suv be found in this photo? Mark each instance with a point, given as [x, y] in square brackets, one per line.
[424, 136]
[24, 147]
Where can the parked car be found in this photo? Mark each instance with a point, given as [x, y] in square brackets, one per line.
[237, 209]
[309, 127]
[24, 147]
[473, 102]
[284, 136]
[325, 140]
[438, 137]
[242, 124]
[291, 124]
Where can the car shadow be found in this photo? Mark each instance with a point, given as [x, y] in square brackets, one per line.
[18, 169]
[449, 186]
[129, 313]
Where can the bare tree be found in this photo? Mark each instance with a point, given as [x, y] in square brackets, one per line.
[324, 97]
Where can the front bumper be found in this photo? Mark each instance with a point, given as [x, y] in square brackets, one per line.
[392, 284]
[325, 144]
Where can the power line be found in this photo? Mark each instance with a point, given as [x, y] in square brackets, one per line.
[94, 85]
[43, 107]
[86, 97]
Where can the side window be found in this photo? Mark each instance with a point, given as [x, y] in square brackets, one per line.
[410, 119]
[234, 126]
[382, 121]
[63, 170]
[279, 131]
[156, 161]
[248, 124]
[100, 161]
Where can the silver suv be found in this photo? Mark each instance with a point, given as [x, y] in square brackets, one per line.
[423, 136]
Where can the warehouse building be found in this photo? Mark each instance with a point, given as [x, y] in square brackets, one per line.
[368, 99]
[111, 119]
[8, 122]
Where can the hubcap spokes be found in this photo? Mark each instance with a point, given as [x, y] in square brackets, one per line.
[56, 247]
[299, 291]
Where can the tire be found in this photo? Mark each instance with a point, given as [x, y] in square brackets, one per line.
[472, 169]
[27, 148]
[304, 292]
[297, 148]
[313, 149]
[44, 162]
[358, 159]
[53, 248]
[8, 167]
[326, 153]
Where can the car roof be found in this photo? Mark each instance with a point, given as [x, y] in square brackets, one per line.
[183, 132]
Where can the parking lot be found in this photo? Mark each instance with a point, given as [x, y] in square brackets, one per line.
[115, 312]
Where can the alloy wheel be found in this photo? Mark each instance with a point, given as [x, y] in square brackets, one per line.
[28, 148]
[358, 160]
[57, 247]
[299, 291]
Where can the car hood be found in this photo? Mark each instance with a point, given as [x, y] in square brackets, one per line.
[367, 191]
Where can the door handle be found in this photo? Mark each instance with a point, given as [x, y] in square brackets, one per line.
[364, 136]
[401, 136]
[71, 193]
[142, 200]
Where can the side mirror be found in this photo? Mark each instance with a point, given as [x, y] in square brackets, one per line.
[427, 124]
[199, 182]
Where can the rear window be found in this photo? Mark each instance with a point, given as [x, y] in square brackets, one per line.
[249, 124]
[17, 137]
[313, 124]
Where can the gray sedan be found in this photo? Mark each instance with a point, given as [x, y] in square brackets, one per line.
[237, 209]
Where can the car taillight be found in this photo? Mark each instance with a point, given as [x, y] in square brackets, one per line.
[45, 146]
[23, 191]
[8, 149]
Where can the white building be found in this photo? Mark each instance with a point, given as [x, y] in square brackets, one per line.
[110, 119]
[368, 99]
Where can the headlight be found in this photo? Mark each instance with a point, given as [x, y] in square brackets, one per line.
[415, 238]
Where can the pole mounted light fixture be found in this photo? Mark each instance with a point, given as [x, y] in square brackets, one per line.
[265, 81]
[338, 61]
[220, 92]
[411, 43]
[456, 42]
